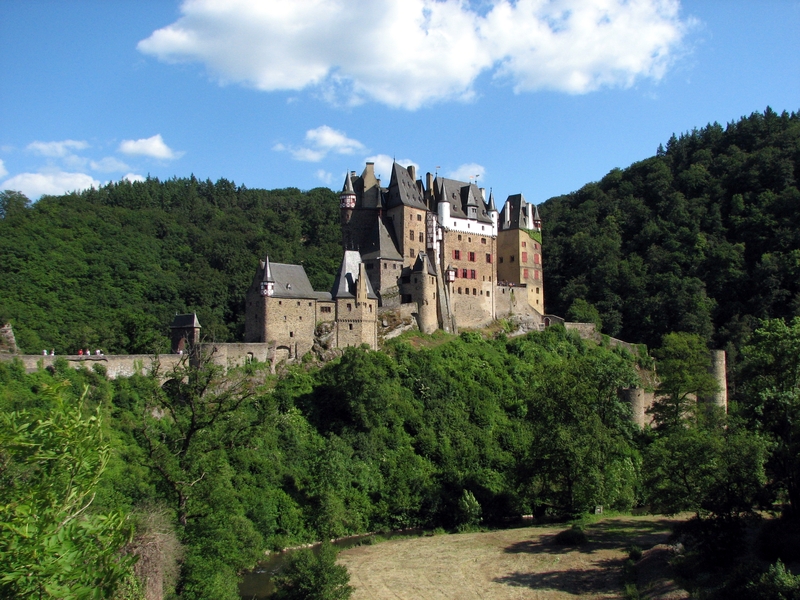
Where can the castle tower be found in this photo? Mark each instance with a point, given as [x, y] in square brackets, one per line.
[424, 282]
[185, 333]
[356, 304]
[519, 249]
[347, 200]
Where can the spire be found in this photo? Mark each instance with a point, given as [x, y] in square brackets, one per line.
[491, 207]
[537, 220]
[347, 197]
[267, 282]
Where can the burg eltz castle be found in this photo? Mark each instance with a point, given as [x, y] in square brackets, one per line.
[438, 251]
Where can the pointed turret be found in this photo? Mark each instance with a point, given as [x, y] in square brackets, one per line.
[267, 282]
[491, 207]
[537, 220]
[347, 199]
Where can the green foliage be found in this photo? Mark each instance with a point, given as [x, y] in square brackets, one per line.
[770, 396]
[582, 311]
[702, 238]
[776, 584]
[52, 544]
[683, 363]
[108, 268]
[310, 575]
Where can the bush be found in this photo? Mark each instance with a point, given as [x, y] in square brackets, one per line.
[310, 575]
[776, 584]
[571, 537]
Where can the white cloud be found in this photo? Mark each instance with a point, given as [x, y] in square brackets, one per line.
[57, 149]
[109, 164]
[324, 176]
[133, 177]
[469, 172]
[409, 53]
[383, 165]
[3, 170]
[320, 142]
[34, 185]
[153, 147]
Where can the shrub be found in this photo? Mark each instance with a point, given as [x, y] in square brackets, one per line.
[573, 536]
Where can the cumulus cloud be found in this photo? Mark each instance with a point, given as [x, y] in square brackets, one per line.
[109, 164]
[34, 185]
[153, 147]
[320, 142]
[409, 53]
[383, 165]
[3, 170]
[325, 177]
[469, 172]
[57, 149]
[133, 177]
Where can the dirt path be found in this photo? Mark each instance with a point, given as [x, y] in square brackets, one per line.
[501, 565]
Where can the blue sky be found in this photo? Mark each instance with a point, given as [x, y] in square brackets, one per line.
[531, 96]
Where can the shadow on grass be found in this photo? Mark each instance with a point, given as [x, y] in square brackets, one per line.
[601, 580]
[605, 535]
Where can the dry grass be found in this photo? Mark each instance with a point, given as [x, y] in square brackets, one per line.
[507, 564]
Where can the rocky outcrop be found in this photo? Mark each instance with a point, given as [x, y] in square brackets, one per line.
[8, 343]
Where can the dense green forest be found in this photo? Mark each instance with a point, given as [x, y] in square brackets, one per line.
[108, 268]
[200, 475]
[704, 237]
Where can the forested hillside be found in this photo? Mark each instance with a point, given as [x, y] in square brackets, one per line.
[108, 268]
[704, 237]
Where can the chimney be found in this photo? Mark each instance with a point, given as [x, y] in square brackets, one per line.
[483, 194]
[412, 170]
[429, 182]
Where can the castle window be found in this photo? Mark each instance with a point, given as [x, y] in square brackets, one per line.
[469, 240]
[459, 290]
[524, 244]
[280, 302]
[291, 334]
[351, 326]
[536, 274]
[325, 309]
[537, 290]
[481, 292]
[456, 254]
[536, 259]
[524, 257]
[524, 273]
[370, 307]
[512, 258]
[487, 292]
[472, 274]
[309, 303]
[419, 217]
[488, 257]
[349, 306]
[483, 240]
[421, 237]
[406, 299]
[298, 303]
[464, 273]
[459, 237]
[411, 235]
[394, 265]
[471, 257]
[474, 292]
[284, 317]
[490, 277]
[411, 253]
[385, 266]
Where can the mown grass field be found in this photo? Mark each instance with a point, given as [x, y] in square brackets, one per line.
[510, 564]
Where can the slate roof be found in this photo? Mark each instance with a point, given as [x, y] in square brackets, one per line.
[403, 190]
[423, 263]
[461, 195]
[514, 214]
[290, 281]
[344, 286]
[183, 321]
[382, 244]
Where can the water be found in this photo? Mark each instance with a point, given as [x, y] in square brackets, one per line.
[257, 584]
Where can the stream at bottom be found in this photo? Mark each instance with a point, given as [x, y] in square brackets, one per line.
[257, 584]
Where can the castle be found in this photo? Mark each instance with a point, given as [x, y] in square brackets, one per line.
[437, 251]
